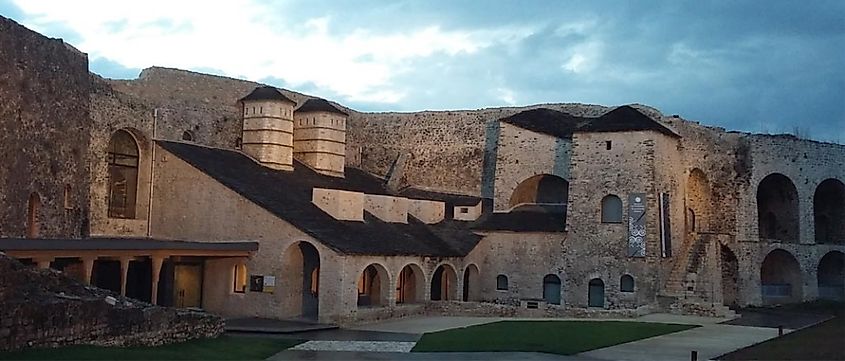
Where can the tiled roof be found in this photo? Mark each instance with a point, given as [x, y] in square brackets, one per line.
[563, 125]
[526, 218]
[319, 105]
[267, 93]
[287, 194]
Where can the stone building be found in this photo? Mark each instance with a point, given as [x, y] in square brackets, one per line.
[193, 190]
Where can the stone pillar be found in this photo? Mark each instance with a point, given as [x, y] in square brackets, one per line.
[124, 270]
[43, 263]
[87, 269]
[156, 263]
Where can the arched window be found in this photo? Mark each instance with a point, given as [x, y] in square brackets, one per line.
[501, 283]
[33, 225]
[239, 143]
[626, 283]
[188, 136]
[595, 297]
[611, 209]
[777, 208]
[551, 289]
[123, 175]
[690, 220]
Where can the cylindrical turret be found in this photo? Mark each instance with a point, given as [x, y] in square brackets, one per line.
[268, 127]
[319, 136]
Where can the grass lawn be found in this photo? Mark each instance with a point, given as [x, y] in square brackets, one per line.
[221, 348]
[558, 337]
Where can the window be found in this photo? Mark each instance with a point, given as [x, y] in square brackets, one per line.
[315, 281]
[608, 144]
[501, 283]
[240, 279]
[123, 175]
[33, 225]
[611, 209]
[239, 143]
[187, 136]
[67, 195]
[626, 283]
[464, 210]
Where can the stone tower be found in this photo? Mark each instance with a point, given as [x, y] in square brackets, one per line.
[319, 136]
[268, 127]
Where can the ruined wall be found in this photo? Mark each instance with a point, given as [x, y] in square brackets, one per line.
[112, 111]
[43, 308]
[44, 125]
[522, 154]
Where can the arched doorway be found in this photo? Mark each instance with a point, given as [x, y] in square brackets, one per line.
[780, 278]
[730, 276]
[595, 294]
[301, 281]
[472, 290]
[373, 286]
[123, 175]
[829, 212]
[541, 189]
[698, 201]
[551, 289]
[33, 224]
[444, 283]
[777, 208]
[830, 276]
[410, 284]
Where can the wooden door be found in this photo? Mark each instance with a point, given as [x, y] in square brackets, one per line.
[187, 291]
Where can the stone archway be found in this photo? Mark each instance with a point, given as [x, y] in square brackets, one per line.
[444, 283]
[300, 283]
[730, 276]
[373, 286]
[698, 202]
[472, 288]
[777, 209]
[410, 285]
[829, 212]
[830, 276]
[541, 189]
[780, 278]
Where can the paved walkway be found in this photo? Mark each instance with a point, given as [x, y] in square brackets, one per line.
[393, 339]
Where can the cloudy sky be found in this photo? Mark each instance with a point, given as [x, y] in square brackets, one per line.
[756, 66]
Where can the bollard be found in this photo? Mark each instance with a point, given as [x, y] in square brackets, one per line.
[693, 356]
[780, 330]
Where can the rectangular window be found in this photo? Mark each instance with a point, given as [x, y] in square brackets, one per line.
[608, 144]
[240, 278]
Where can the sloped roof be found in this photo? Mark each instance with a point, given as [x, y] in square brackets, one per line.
[319, 105]
[563, 125]
[525, 218]
[288, 196]
[625, 118]
[120, 244]
[267, 93]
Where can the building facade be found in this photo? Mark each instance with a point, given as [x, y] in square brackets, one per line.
[194, 190]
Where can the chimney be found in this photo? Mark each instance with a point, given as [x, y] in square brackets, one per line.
[319, 137]
[268, 127]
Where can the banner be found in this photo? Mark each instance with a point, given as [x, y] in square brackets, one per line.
[636, 225]
[665, 226]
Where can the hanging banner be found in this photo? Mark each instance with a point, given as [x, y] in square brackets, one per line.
[636, 225]
[665, 226]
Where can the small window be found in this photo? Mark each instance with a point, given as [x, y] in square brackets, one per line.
[626, 283]
[240, 279]
[501, 283]
[33, 225]
[464, 210]
[611, 209]
[239, 143]
[187, 136]
[67, 196]
[608, 144]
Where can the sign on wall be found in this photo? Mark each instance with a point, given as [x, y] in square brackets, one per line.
[636, 225]
[269, 284]
[665, 226]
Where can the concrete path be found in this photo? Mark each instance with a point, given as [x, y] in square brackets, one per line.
[710, 340]
[393, 339]
[264, 325]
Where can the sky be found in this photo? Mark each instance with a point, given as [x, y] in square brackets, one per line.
[758, 66]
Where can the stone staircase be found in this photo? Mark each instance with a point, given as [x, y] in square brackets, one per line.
[684, 292]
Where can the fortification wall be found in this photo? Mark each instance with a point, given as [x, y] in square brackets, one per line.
[44, 133]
